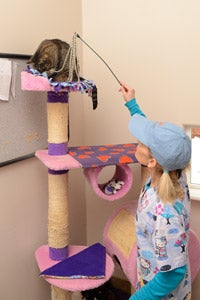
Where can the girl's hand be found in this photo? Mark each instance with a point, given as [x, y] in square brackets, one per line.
[128, 93]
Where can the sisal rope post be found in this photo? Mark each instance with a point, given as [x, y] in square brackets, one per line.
[60, 294]
[58, 231]
[57, 120]
[58, 223]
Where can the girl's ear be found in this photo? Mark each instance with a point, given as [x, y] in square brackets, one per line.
[152, 162]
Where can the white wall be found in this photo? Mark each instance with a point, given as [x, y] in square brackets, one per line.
[153, 46]
[25, 24]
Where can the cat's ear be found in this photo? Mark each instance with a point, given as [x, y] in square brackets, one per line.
[34, 58]
[30, 61]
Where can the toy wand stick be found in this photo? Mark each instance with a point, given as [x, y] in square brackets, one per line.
[99, 57]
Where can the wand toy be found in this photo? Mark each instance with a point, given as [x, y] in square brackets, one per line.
[99, 57]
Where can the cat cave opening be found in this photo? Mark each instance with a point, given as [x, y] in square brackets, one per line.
[114, 188]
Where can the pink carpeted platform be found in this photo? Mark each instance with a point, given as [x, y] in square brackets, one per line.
[44, 262]
[57, 162]
[30, 82]
[90, 156]
[37, 82]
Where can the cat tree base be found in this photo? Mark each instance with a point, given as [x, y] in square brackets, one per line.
[70, 285]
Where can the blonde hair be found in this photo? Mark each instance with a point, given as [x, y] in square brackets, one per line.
[168, 186]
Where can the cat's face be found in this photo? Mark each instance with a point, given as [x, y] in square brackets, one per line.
[43, 64]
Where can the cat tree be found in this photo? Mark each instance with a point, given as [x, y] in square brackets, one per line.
[60, 159]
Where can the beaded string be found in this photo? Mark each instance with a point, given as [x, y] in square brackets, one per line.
[72, 58]
[73, 64]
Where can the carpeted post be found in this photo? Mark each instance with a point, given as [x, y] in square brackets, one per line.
[58, 225]
[57, 116]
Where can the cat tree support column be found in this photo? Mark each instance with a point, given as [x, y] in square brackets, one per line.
[58, 227]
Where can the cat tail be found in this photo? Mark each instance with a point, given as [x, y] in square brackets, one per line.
[94, 97]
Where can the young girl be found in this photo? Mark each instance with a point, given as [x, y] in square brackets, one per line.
[162, 219]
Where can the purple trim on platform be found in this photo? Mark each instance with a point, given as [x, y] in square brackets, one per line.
[60, 172]
[54, 97]
[57, 149]
[58, 253]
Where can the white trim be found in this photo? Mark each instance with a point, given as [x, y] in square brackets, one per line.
[194, 194]
[194, 188]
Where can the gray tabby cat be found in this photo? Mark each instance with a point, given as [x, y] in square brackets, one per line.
[50, 57]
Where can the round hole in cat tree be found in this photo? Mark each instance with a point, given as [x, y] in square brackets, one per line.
[113, 189]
